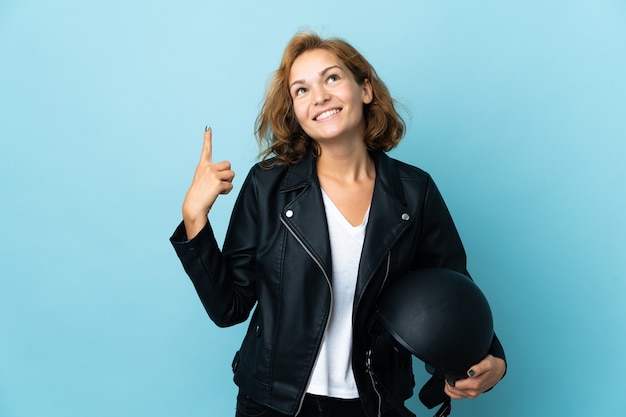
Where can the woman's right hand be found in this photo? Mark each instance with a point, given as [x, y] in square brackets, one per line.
[209, 181]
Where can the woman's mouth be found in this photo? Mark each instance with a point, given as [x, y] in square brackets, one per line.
[325, 115]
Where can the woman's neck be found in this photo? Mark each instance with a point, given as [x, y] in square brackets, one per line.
[345, 163]
[347, 176]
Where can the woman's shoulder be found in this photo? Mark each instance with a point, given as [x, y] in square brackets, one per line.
[268, 172]
[269, 168]
[407, 171]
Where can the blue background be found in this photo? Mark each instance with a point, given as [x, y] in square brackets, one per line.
[518, 110]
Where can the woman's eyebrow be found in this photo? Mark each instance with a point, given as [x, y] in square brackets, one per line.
[325, 70]
[322, 72]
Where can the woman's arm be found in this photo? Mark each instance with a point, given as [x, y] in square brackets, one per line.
[225, 286]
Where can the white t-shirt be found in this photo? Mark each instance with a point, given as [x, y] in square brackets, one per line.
[332, 374]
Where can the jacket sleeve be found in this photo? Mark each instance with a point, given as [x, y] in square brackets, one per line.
[439, 242]
[441, 246]
[224, 281]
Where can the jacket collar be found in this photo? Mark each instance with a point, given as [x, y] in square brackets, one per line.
[299, 174]
[387, 174]
[302, 174]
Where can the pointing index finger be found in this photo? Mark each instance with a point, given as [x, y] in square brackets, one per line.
[207, 149]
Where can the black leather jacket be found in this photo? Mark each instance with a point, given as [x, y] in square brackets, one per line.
[277, 255]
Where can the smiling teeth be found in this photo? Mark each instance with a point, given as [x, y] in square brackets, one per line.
[327, 114]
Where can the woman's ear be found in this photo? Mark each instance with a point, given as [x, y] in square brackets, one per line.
[367, 92]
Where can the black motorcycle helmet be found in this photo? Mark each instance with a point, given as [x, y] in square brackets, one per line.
[441, 317]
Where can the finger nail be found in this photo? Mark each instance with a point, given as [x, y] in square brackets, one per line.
[207, 128]
[471, 373]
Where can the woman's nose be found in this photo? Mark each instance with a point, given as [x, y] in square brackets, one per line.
[320, 95]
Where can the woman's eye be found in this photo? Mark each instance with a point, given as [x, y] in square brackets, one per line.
[332, 78]
[300, 91]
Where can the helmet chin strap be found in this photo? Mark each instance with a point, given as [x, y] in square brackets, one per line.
[432, 394]
[445, 410]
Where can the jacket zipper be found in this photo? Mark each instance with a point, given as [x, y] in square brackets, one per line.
[330, 289]
[369, 352]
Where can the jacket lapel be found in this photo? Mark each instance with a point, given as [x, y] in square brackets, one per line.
[389, 218]
[305, 215]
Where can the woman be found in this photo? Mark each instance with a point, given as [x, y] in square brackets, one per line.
[320, 226]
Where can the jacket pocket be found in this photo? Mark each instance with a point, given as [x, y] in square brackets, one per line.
[250, 353]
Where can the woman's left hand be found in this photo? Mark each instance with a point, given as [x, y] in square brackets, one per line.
[481, 377]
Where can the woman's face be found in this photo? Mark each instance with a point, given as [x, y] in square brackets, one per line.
[327, 100]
